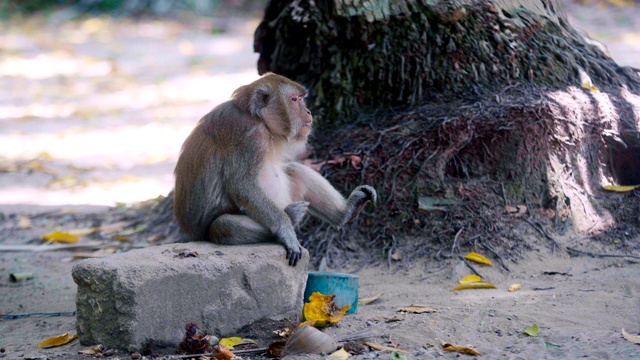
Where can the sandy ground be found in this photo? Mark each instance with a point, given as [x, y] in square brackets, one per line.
[93, 113]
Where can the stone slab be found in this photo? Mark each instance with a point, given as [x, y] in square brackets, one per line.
[143, 298]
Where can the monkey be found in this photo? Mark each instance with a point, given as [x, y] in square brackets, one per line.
[237, 180]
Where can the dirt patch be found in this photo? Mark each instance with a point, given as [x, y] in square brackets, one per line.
[580, 305]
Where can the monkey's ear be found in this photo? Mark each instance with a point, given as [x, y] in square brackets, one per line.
[252, 99]
[260, 99]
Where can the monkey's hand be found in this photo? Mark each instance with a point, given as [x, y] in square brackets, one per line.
[297, 211]
[288, 239]
[358, 199]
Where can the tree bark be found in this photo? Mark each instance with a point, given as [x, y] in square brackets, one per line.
[364, 55]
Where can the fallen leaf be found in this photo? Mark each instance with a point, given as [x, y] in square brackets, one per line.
[589, 86]
[83, 232]
[223, 353]
[478, 258]
[532, 330]
[58, 340]
[396, 256]
[474, 285]
[379, 347]
[393, 319]
[62, 237]
[397, 356]
[24, 222]
[457, 348]
[620, 188]
[121, 238]
[321, 311]
[470, 279]
[416, 309]
[430, 203]
[282, 333]
[514, 287]
[234, 341]
[96, 350]
[339, 355]
[631, 338]
[367, 301]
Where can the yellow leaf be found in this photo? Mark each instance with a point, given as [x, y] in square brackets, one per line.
[62, 237]
[532, 330]
[590, 86]
[367, 301]
[230, 342]
[620, 188]
[632, 338]
[382, 347]
[474, 285]
[416, 309]
[321, 311]
[457, 348]
[58, 340]
[44, 156]
[514, 287]
[121, 238]
[341, 354]
[470, 279]
[478, 258]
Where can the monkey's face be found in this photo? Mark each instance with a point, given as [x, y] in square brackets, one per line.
[300, 116]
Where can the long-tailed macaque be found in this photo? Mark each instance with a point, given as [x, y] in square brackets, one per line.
[237, 181]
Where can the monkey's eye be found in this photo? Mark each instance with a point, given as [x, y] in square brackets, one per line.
[294, 98]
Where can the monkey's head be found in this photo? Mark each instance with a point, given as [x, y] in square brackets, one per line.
[279, 103]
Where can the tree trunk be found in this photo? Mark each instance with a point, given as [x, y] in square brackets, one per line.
[495, 104]
[363, 55]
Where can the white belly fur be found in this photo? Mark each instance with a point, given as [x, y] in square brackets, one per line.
[275, 183]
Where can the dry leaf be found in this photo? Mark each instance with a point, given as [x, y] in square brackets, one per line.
[474, 285]
[83, 232]
[470, 279]
[234, 341]
[223, 353]
[96, 351]
[416, 309]
[321, 311]
[631, 338]
[514, 287]
[620, 188]
[457, 348]
[339, 355]
[532, 330]
[382, 347]
[58, 340]
[368, 301]
[24, 222]
[62, 237]
[478, 258]
[589, 86]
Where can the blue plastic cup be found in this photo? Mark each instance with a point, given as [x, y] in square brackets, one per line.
[344, 286]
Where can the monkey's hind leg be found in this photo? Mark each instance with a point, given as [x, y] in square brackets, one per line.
[242, 230]
[238, 230]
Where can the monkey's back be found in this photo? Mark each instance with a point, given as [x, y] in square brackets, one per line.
[217, 152]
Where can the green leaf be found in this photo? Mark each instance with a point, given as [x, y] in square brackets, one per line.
[397, 356]
[532, 330]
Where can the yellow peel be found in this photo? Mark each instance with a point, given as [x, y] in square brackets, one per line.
[478, 258]
[474, 285]
[470, 279]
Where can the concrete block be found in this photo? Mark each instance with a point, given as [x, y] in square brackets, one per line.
[144, 297]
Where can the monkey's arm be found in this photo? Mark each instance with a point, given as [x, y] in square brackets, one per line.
[325, 202]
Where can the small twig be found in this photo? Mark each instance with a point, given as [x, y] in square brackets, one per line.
[471, 266]
[544, 233]
[496, 255]
[602, 255]
[455, 241]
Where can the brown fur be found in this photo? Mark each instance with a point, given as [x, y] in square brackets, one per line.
[237, 181]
